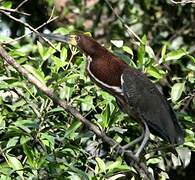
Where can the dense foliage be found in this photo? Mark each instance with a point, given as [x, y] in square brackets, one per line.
[40, 141]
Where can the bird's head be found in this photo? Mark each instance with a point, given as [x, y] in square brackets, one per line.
[84, 42]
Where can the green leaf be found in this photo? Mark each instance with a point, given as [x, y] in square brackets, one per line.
[185, 155]
[68, 88]
[118, 176]
[40, 48]
[7, 4]
[163, 52]
[117, 43]
[117, 165]
[153, 161]
[36, 72]
[58, 63]
[128, 50]
[6, 39]
[150, 52]
[47, 140]
[176, 91]
[49, 52]
[100, 166]
[175, 160]
[70, 132]
[62, 31]
[78, 175]
[175, 55]
[63, 54]
[141, 54]
[2, 122]
[11, 143]
[15, 164]
[87, 103]
[104, 118]
[191, 58]
[25, 125]
[25, 49]
[158, 74]
[17, 104]
[28, 151]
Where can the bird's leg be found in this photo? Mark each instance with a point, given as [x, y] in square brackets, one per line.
[135, 141]
[145, 139]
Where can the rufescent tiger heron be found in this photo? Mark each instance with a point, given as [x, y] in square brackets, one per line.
[134, 92]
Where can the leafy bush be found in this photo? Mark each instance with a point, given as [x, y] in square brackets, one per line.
[41, 141]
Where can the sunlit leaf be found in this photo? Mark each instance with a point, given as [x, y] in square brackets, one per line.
[118, 176]
[150, 52]
[175, 55]
[128, 50]
[117, 43]
[100, 166]
[11, 143]
[36, 72]
[185, 155]
[176, 160]
[176, 91]
[153, 161]
[141, 54]
[71, 130]
[63, 54]
[87, 103]
[40, 48]
[155, 72]
[15, 164]
[163, 51]
[6, 4]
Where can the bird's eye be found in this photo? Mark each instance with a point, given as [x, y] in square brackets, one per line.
[78, 38]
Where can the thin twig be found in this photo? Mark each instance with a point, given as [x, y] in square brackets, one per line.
[128, 155]
[73, 53]
[28, 26]
[39, 27]
[129, 30]
[21, 4]
[14, 11]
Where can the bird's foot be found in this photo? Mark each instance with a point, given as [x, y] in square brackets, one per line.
[121, 150]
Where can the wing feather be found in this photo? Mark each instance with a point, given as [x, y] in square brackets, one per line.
[148, 103]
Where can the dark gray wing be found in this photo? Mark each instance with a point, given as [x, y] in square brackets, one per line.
[148, 103]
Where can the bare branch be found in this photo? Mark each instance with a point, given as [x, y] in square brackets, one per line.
[128, 155]
[14, 11]
[21, 4]
[26, 25]
[39, 27]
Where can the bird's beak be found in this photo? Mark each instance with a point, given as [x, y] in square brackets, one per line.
[70, 39]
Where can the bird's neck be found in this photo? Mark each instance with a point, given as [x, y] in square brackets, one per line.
[94, 50]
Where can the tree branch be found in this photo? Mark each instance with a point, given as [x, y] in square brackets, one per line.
[50, 19]
[129, 158]
[21, 4]
[26, 25]
[14, 11]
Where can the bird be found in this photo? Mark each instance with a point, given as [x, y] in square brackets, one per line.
[134, 92]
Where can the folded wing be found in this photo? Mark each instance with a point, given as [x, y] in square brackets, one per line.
[145, 99]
